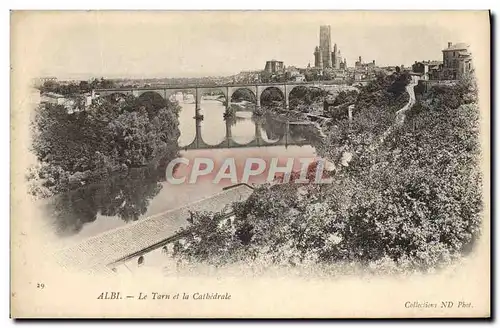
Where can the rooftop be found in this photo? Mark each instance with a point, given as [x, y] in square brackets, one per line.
[457, 46]
[98, 251]
[432, 62]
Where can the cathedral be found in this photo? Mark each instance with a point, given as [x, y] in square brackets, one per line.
[324, 57]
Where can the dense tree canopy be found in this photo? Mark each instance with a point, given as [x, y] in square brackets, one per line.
[75, 88]
[243, 94]
[74, 149]
[412, 204]
[306, 96]
[272, 96]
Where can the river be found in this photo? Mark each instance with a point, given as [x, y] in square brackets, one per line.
[140, 193]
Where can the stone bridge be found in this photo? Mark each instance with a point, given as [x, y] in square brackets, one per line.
[228, 90]
[258, 141]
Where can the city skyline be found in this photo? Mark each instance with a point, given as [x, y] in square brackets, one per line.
[119, 45]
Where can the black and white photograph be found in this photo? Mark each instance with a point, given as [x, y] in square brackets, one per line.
[255, 164]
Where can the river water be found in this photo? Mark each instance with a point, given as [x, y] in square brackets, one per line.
[140, 193]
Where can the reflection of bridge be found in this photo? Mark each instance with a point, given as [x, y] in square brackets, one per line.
[258, 141]
[228, 90]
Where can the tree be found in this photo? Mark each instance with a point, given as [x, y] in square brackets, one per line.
[243, 94]
[346, 97]
[85, 146]
[84, 86]
[414, 204]
[106, 84]
[265, 77]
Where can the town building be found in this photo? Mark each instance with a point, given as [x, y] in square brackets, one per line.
[359, 65]
[294, 74]
[274, 66]
[52, 98]
[72, 104]
[457, 61]
[429, 69]
[336, 57]
[324, 57]
[38, 82]
[358, 76]
[343, 65]
[325, 45]
[318, 58]
[244, 77]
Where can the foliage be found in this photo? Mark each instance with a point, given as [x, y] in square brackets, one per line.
[306, 96]
[75, 88]
[414, 203]
[346, 97]
[272, 96]
[312, 75]
[75, 149]
[243, 94]
[268, 77]
[374, 111]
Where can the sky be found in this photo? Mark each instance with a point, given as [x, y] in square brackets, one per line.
[191, 44]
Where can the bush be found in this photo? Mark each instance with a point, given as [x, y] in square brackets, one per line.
[413, 204]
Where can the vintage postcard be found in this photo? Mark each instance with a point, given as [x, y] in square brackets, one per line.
[250, 164]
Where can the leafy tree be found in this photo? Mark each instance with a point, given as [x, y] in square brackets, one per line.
[86, 146]
[84, 86]
[243, 94]
[271, 96]
[302, 95]
[346, 97]
[413, 204]
[312, 75]
[265, 77]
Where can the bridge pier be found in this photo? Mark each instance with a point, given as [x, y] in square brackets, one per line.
[198, 134]
[288, 90]
[197, 100]
[257, 102]
[228, 99]
[258, 134]
[229, 133]
[287, 132]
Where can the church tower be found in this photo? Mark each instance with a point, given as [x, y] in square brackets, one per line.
[325, 45]
[318, 58]
[336, 57]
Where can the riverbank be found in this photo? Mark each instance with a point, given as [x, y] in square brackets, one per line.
[77, 149]
[380, 211]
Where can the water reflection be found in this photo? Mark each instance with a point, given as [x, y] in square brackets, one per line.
[126, 196]
[187, 125]
[213, 128]
[139, 193]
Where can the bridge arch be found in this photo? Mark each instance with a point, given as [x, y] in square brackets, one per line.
[307, 93]
[200, 92]
[269, 94]
[242, 93]
[171, 92]
[149, 93]
[152, 101]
